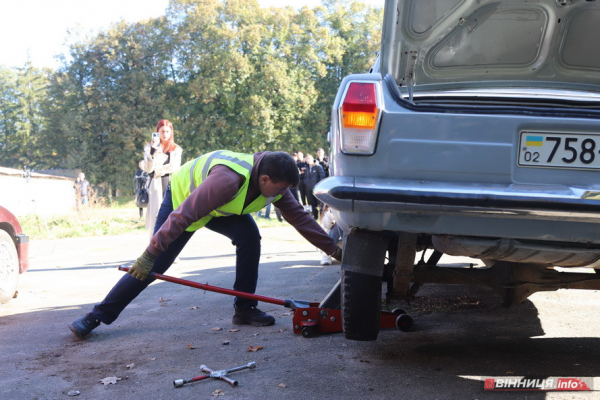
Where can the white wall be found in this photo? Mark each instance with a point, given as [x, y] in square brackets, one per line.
[42, 195]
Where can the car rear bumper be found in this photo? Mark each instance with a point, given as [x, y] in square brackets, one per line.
[550, 202]
[534, 212]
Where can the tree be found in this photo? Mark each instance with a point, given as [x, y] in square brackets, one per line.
[22, 92]
[228, 74]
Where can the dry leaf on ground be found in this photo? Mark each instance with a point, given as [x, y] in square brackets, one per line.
[130, 366]
[216, 328]
[255, 349]
[191, 346]
[218, 392]
[234, 330]
[282, 385]
[111, 380]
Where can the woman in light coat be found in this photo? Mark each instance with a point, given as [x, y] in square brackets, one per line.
[162, 157]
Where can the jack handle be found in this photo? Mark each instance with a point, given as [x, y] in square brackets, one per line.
[213, 288]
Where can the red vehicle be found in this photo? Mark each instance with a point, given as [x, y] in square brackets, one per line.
[14, 248]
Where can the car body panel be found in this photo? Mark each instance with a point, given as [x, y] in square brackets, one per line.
[461, 44]
[10, 223]
[449, 153]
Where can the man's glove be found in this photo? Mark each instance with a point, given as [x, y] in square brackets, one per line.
[142, 266]
[338, 254]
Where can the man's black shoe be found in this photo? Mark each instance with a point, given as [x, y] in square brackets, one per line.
[83, 326]
[252, 316]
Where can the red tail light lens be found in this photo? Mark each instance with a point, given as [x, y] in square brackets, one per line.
[359, 109]
[359, 115]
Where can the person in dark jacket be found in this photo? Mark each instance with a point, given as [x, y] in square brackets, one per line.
[314, 174]
[302, 167]
[141, 179]
[323, 160]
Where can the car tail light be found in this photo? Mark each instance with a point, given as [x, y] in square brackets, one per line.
[359, 116]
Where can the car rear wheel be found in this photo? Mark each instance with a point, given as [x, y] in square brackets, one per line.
[362, 270]
[9, 267]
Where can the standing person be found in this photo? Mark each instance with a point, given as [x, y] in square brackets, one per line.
[329, 225]
[314, 174]
[219, 191]
[323, 161]
[162, 157]
[141, 183]
[294, 190]
[267, 213]
[81, 186]
[302, 166]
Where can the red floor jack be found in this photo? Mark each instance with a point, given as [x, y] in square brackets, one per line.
[309, 318]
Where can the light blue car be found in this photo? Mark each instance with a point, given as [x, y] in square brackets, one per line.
[477, 133]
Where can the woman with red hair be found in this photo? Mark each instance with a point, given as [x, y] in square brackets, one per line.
[162, 157]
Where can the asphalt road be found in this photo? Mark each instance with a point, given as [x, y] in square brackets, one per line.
[461, 334]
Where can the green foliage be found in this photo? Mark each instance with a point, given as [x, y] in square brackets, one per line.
[228, 74]
[22, 92]
[120, 217]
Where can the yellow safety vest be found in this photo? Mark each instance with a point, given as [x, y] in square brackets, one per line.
[192, 173]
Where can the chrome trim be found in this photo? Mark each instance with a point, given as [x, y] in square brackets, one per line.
[546, 202]
[509, 93]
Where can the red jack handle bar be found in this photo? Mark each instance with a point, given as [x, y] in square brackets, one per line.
[286, 303]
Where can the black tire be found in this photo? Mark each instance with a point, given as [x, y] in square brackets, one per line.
[398, 311]
[9, 267]
[361, 292]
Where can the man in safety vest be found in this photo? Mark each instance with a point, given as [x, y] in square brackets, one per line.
[218, 191]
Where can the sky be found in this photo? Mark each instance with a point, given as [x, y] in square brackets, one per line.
[38, 29]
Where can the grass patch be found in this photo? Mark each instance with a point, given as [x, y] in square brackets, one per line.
[109, 217]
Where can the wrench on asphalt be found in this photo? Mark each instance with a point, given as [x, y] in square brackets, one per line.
[214, 374]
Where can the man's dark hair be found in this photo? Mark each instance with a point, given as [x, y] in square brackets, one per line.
[280, 167]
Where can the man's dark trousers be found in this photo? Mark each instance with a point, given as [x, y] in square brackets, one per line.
[242, 231]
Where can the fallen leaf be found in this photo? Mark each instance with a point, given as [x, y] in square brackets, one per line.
[130, 366]
[152, 358]
[193, 308]
[191, 346]
[234, 330]
[74, 393]
[255, 349]
[282, 385]
[216, 328]
[217, 392]
[112, 380]
[161, 300]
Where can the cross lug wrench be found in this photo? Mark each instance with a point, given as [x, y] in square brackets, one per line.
[214, 374]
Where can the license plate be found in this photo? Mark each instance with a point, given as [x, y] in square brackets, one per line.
[559, 150]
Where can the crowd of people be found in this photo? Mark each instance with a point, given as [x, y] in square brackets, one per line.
[220, 191]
